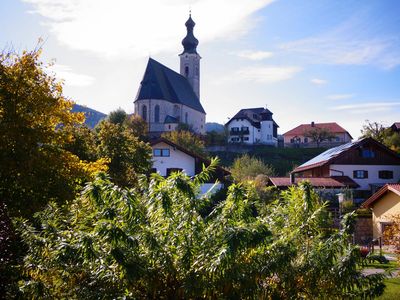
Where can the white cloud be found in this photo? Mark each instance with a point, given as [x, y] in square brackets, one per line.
[318, 81]
[254, 55]
[137, 28]
[340, 96]
[63, 72]
[351, 43]
[266, 74]
[363, 108]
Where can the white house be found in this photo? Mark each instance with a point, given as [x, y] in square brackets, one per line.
[253, 126]
[166, 98]
[169, 157]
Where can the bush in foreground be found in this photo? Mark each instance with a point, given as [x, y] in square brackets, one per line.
[152, 242]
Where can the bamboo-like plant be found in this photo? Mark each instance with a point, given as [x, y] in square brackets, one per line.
[152, 242]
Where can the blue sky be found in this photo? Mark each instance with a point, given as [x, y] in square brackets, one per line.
[308, 60]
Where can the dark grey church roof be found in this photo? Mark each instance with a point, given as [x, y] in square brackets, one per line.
[160, 82]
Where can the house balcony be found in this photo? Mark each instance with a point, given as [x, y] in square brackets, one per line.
[239, 132]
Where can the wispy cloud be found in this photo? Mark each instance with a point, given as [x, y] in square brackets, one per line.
[136, 28]
[340, 96]
[265, 74]
[63, 72]
[349, 44]
[318, 81]
[254, 55]
[363, 108]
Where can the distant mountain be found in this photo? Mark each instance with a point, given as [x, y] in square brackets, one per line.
[214, 126]
[92, 116]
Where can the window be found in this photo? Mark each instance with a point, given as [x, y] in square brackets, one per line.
[305, 140]
[153, 170]
[144, 112]
[160, 152]
[360, 174]
[186, 118]
[367, 153]
[337, 139]
[235, 139]
[157, 114]
[235, 129]
[384, 174]
[173, 170]
[186, 71]
[246, 138]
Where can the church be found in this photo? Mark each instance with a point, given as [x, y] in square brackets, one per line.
[166, 98]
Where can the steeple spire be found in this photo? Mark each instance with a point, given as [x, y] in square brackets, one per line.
[190, 42]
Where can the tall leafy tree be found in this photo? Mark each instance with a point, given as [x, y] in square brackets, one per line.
[128, 156]
[34, 122]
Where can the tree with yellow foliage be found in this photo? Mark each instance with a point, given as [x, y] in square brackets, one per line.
[35, 119]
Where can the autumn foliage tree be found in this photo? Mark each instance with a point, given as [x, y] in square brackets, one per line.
[34, 122]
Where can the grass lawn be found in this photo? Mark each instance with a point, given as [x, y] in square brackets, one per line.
[392, 290]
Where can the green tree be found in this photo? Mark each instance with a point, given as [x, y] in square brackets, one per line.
[35, 119]
[188, 140]
[118, 116]
[248, 168]
[137, 126]
[83, 143]
[128, 156]
[374, 130]
[214, 138]
[319, 135]
[152, 242]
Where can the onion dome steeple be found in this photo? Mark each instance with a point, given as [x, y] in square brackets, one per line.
[190, 42]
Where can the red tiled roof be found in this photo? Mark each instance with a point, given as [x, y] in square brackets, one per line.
[301, 129]
[325, 182]
[392, 187]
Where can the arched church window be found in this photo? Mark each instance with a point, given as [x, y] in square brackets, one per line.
[144, 112]
[176, 111]
[186, 118]
[186, 71]
[157, 114]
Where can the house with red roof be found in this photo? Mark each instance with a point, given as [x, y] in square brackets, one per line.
[299, 136]
[385, 204]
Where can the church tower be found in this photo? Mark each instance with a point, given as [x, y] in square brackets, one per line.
[190, 59]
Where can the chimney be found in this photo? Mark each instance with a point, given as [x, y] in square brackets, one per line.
[312, 124]
[292, 178]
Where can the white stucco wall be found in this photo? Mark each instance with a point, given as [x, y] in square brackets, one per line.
[192, 61]
[195, 118]
[267, 133]
[177, 159]
[373, 174]
[254, 133]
